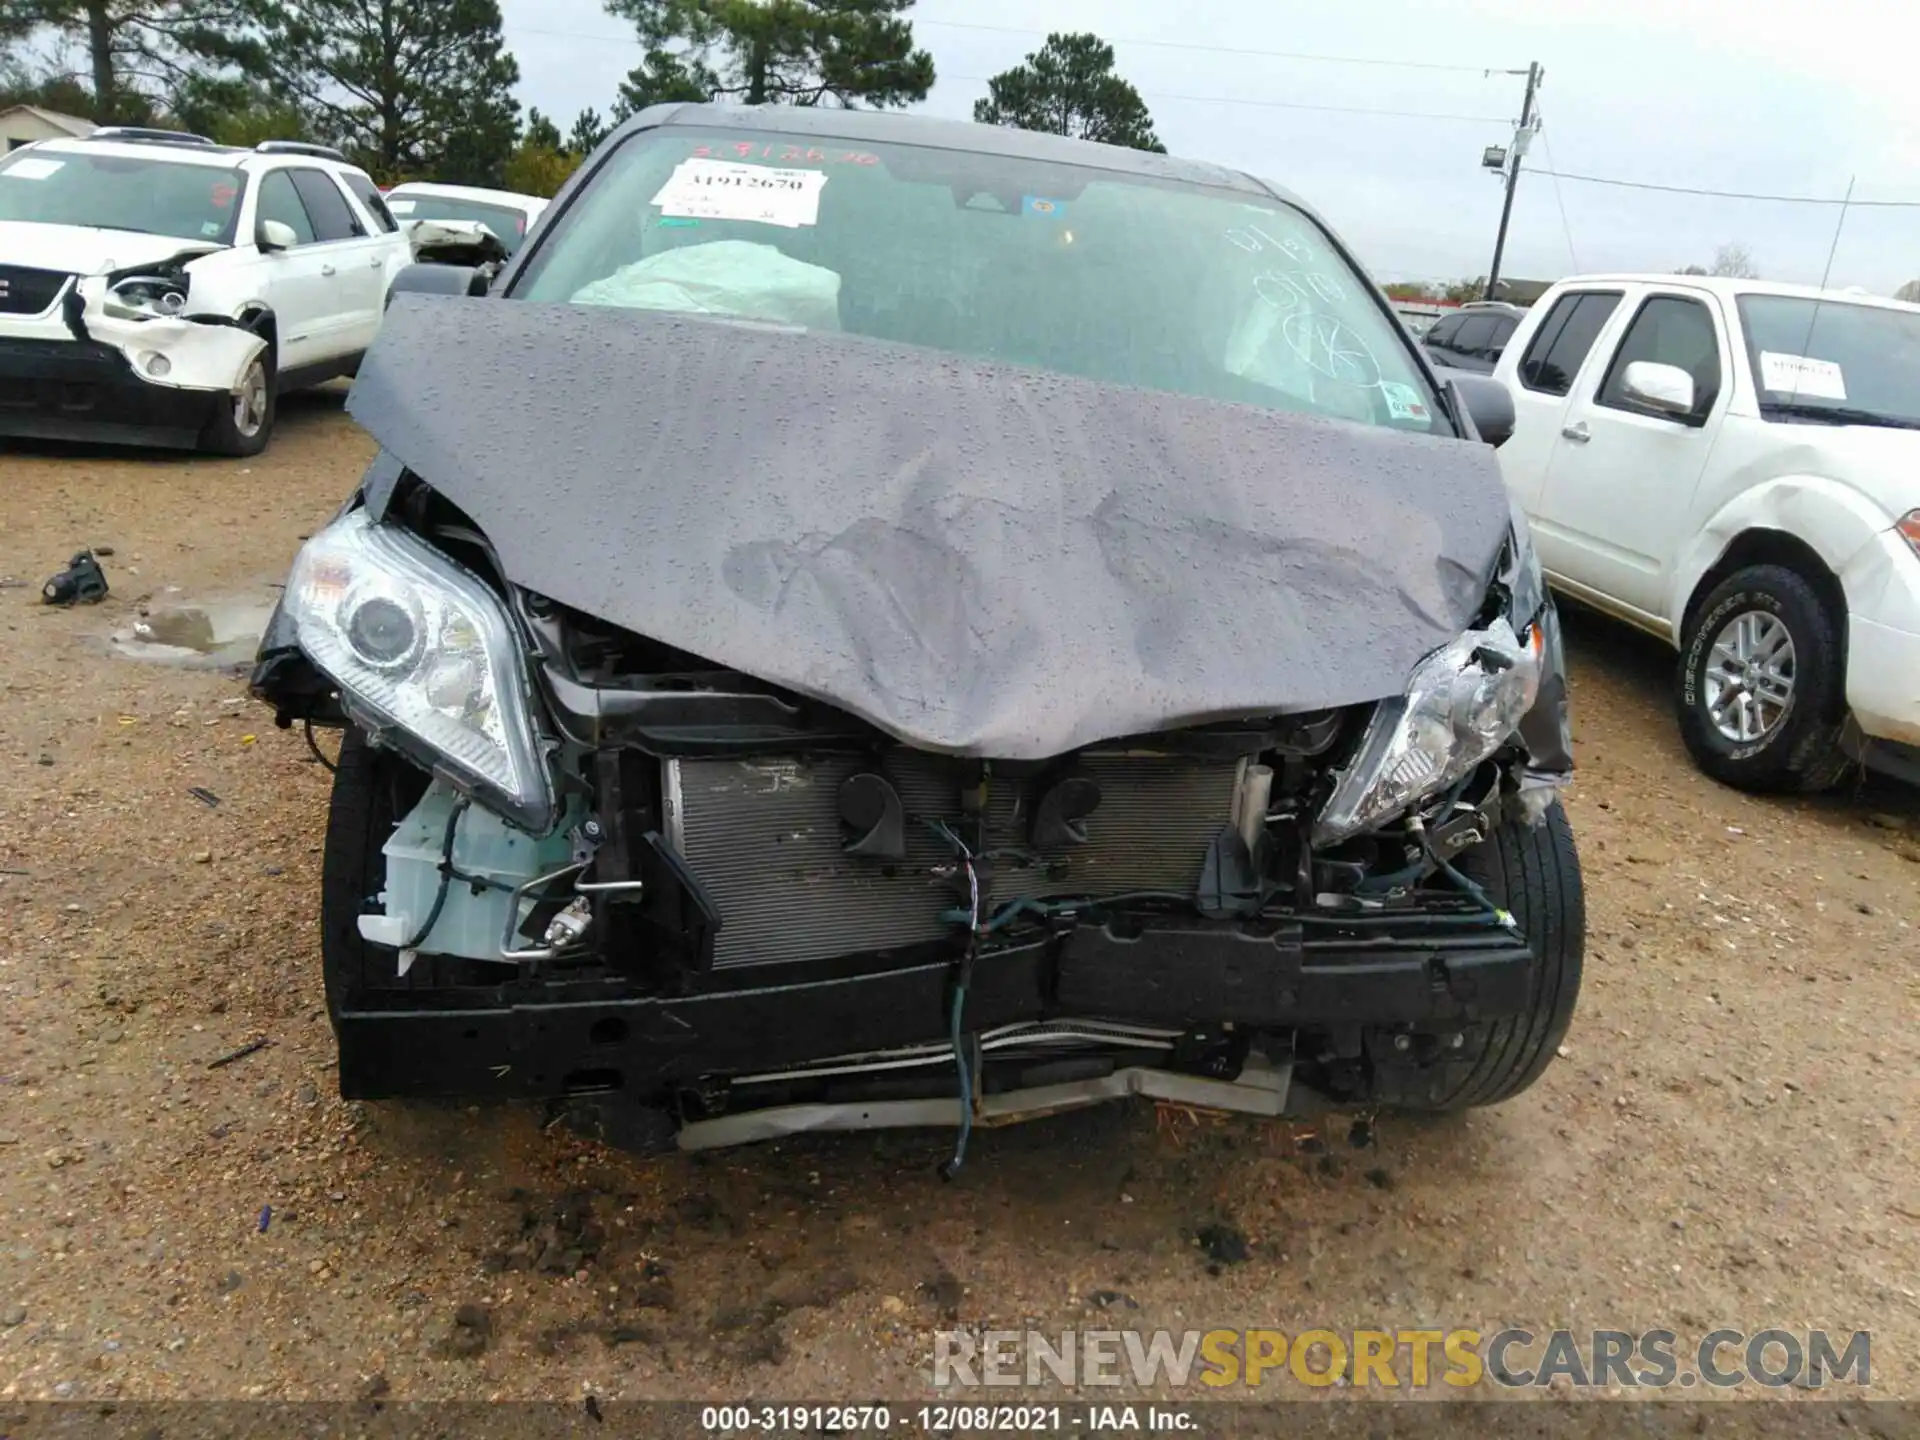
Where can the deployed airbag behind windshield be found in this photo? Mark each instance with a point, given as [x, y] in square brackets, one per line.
[729, 277]
[976, 558]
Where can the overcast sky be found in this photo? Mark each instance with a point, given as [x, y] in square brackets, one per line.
[1738, 95]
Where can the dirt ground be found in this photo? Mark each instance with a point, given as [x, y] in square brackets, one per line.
[1728, 1139]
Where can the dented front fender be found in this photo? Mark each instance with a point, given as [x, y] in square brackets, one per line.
[181, 352]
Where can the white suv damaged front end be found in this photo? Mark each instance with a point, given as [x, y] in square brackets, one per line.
[146, 313]
[120, 355]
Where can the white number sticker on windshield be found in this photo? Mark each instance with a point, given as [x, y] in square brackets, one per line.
[32, 168]
[723, 190]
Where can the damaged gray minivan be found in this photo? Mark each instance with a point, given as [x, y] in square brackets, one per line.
[876, 621]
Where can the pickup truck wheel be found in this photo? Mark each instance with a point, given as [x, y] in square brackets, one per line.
[244, 422]
[1762, 686]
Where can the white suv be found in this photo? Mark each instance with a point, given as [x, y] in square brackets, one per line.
[1735, 466]
[159, 289]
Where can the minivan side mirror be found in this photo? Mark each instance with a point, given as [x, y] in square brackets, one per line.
[426, 278]
[1488, 403]
[1664, 390]
[274, 235]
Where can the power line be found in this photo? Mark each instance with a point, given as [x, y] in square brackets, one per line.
[1296, 105]
[1148, 94]
[1150, 44]
[1237, 50]
[1566, 228]
[1734, 194]
[573, 35]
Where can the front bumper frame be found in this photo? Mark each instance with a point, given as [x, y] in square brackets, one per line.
[88, 390]
[78, 372]
[543, 1037]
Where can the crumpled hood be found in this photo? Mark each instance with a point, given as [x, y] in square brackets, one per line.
[83, 250]
[978, 559]
[454, 242]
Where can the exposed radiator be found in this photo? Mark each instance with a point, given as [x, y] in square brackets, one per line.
[764, 838]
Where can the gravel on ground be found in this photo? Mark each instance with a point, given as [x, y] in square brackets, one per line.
[1727, 1139]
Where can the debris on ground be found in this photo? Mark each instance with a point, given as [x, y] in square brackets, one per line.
[250, 1048]
[83, 582]
[410, 1207]
[1222, 1244]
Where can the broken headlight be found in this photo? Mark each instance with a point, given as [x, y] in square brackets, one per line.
[1461, 705]
[420, 645]
[148, 297]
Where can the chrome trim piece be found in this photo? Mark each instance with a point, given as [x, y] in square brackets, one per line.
[1262, 1089]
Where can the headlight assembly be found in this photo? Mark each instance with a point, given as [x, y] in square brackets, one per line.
[147, 297]
[421, 645]
[1461, 705]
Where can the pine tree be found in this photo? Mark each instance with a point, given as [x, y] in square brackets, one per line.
[410, 88]
[664, 78]
[1068, 87]
[139, 52]
[791, 52]
[541, 131]
[587, 133]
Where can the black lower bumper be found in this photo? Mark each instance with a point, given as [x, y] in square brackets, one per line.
[541, 1037]
[85, 390]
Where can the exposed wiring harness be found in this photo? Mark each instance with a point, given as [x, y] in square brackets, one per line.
[318, 753]
[448, 874]
[961, 982]
[1466, 883]
[1382, 884]
[1028, 905]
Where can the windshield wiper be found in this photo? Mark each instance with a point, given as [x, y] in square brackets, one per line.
[1836, 414]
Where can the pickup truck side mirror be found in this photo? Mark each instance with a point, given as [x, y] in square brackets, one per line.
[1663, 390]
[1487, 402]
[274, 235]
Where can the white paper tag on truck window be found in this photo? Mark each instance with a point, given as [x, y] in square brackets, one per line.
[400, 207]
[1801, 375]
[32, 168]
[725, 190]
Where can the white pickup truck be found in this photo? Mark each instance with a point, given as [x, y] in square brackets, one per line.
[1735, 466]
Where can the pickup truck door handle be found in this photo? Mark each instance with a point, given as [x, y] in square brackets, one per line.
[1577, 432]
[326, 270]
[377, 261]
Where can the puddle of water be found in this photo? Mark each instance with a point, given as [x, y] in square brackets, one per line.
[215, 633]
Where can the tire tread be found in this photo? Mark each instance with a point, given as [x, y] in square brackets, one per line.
[1811, 760]
[1534, 871]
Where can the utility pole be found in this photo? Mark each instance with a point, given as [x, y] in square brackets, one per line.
[1513, 176]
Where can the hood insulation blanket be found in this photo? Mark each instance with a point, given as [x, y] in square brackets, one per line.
[977, 559]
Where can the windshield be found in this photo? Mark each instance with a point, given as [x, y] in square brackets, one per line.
[1116, 278]
[1860, 361]
[115, 192]
[509, 226]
